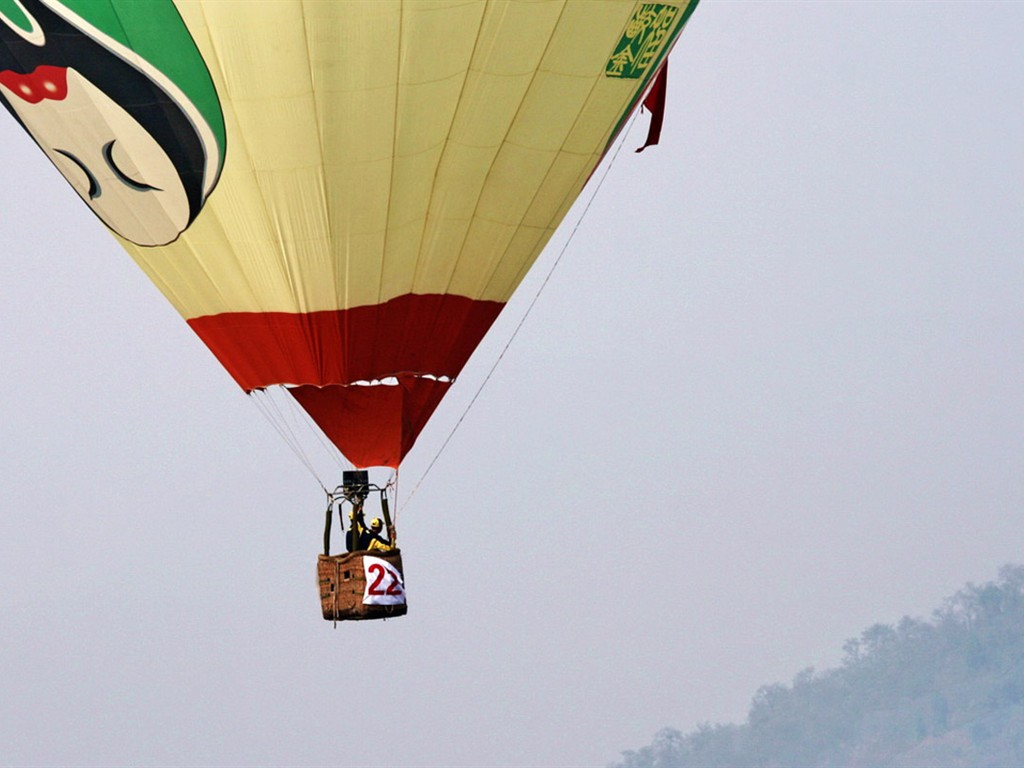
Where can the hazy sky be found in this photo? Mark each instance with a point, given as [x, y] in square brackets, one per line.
[771, 395]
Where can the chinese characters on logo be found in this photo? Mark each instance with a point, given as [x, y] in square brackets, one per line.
[642, 40]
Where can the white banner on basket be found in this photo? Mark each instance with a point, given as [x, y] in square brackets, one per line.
[384, 585]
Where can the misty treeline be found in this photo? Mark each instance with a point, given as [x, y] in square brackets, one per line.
[943, 693]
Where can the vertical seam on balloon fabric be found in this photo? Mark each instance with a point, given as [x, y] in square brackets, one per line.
[439, 308]
[227, 101]
[391, 175]
[314, 347]
[490, 170]
[394, 147]
[551, 226]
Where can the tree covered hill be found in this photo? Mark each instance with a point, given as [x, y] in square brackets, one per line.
[944, 693]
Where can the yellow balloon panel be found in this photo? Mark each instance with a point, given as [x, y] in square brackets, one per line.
[381, 148]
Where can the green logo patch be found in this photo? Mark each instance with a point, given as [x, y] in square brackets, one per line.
[642, 40]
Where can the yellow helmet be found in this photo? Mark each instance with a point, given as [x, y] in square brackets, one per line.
[376, 524]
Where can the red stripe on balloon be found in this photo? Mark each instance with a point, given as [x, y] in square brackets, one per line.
[431, 334]
[323, 352]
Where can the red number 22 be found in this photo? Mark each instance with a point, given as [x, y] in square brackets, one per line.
[379, 570]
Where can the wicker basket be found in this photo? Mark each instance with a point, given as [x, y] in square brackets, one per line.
[343, 585]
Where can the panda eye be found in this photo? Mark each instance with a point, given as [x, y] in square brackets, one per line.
[94, 185]
[124, 178]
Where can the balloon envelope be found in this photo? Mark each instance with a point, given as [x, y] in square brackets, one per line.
[339, 197]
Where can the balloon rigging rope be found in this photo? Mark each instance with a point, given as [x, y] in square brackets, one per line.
[275, 415]
[522, 320]
[301, 415]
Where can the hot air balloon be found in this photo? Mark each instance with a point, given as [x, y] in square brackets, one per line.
[338, 196]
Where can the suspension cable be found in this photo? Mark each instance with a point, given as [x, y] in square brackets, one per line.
[271, 411]
[522, 320]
